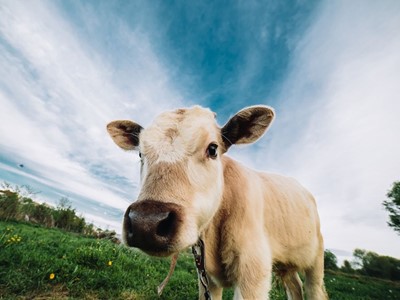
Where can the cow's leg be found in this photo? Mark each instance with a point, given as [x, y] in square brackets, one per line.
[237, 295]
[293, 285]
[254, 273]
[314, 283]
[215, 291]
[258, 289]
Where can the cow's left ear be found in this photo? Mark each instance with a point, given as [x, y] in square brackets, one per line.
[125, 133]
[247, 126]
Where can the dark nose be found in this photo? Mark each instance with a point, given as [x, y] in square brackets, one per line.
[152, 225]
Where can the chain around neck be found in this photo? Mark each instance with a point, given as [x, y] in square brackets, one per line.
[199, 258]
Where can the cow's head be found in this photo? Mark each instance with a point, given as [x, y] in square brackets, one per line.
[181, 172]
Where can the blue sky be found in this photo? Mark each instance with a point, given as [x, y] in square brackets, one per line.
[330, 69]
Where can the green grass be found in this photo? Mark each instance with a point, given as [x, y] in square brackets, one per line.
[86, 268]
[344, 286]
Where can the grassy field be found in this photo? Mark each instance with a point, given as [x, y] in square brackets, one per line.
[42, 263]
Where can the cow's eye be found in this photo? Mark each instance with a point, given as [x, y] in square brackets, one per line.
[140, 154]
[212, 150]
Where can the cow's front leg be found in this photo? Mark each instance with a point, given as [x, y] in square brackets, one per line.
[248, 290]
[255, 273]
[215, 291]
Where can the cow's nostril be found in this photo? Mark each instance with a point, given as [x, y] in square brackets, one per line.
[128, 223]
[166, 226]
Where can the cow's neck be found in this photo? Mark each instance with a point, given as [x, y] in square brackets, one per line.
[220, 235]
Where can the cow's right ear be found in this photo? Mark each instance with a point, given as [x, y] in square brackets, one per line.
[247, 126]
[125, 133]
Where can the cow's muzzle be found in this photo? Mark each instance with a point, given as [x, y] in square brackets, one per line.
[152, 226]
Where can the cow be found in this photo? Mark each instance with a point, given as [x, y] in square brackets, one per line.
[252, 223]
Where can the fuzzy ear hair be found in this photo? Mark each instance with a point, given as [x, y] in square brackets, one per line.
[247, 126]
[125, 133]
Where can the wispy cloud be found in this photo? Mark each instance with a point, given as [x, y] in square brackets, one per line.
[338, 125]
[57, 94]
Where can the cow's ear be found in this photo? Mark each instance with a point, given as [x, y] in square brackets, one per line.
[125, 133]
[247, 126]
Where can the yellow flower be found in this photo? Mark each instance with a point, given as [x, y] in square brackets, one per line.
[110, 263]
[52, 276]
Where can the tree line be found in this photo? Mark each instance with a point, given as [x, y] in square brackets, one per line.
[16, 203]
[366, 263]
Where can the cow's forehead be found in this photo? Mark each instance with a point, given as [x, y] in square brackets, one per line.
[173, 135]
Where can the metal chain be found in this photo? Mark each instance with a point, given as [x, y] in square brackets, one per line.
[199, 258]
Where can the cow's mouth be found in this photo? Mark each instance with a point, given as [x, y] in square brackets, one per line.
[152, 226]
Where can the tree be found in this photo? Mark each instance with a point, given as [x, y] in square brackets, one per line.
[64, 215]
[358, 261]
[392, 205]
[347, 268]
[330, 260]
[64, 203]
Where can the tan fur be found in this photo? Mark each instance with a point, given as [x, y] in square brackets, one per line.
[175, 135]
[250, 221]
[264, 219]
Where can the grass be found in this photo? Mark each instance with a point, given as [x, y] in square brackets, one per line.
[42, 263]
[344, 286]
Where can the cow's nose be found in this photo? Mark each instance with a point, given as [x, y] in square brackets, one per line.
[159, 224]
[151, 225]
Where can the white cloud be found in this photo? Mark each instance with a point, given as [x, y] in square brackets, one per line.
[340, 125]
[57, 94]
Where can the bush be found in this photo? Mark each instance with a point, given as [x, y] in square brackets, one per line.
[42, 214]
[9, 205]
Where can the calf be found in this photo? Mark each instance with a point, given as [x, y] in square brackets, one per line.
[251, 222]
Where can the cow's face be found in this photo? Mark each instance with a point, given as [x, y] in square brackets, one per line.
[181, 173]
